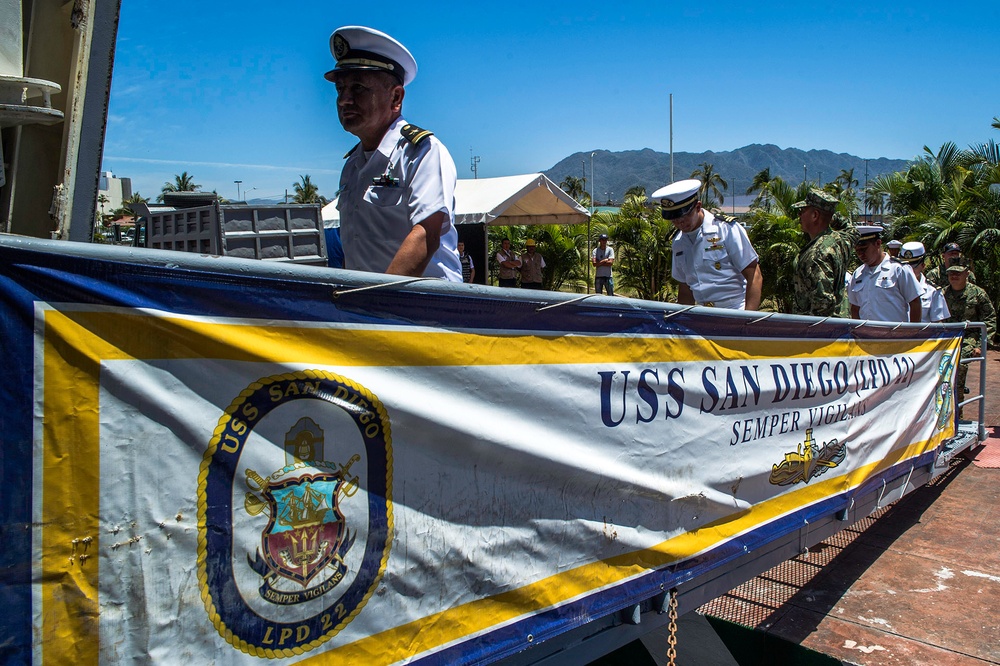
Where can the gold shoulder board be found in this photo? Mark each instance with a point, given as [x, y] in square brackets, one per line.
[415, 134]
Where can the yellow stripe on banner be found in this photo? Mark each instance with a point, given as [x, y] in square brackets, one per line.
[144, 336]
[76, 343]
[71, 490]
[475, 617]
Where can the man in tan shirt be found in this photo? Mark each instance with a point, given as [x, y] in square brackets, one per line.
[532, 264]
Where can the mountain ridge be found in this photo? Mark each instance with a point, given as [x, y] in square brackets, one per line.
[615, 172]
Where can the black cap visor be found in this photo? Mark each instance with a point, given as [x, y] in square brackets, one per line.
[366, 60]
[675, 213]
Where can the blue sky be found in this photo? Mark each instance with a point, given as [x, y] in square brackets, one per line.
[235, 91]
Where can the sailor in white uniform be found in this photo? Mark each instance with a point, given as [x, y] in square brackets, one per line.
[933, 306]
[882, 289]
[712, 257]
[397, 188]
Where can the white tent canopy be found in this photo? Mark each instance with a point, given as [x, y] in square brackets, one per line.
[509, 200]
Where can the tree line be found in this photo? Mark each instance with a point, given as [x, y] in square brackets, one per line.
[945, 195]
[304, 191]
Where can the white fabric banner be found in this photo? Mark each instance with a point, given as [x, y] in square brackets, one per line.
[332, 493]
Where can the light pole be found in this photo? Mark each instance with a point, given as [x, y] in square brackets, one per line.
[589, 219]
[866, 184]
[475, 164]
[734, 197]
[805, 174]
[237, 188]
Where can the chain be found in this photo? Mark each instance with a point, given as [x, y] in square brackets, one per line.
[672, 638]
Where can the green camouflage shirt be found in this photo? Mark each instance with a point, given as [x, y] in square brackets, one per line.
[939, 279]
[971, 304]
[819, 276]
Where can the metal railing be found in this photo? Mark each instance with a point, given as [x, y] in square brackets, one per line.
[981, 397]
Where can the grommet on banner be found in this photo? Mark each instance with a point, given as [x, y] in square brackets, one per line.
[674, 314]
[767, 316]
[569, 302]
[337, 293]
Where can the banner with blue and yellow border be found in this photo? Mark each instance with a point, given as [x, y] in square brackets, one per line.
[222, 461]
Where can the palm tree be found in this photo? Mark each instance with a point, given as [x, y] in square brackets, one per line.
[126, 210]
[845, 181]
[182, 183]
[573, 186]
[777, 238]
[761, 183]
[635, 191]
[306, 191]
[642, 242]
[102, 200]
[564, 249]
[710, 184]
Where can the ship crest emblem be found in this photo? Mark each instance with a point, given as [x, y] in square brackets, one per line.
[943, 398]
[306, 532]
[340, 46]
[806, 463]
[287, 558]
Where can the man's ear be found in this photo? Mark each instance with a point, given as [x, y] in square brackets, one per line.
[398, 92]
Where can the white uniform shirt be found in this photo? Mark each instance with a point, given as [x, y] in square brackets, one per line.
[933, 307]
[883, 293]
[711, 259]
[385, 192]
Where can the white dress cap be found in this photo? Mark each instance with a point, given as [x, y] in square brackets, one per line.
[911, 252]
[358, 47]
[676, 199]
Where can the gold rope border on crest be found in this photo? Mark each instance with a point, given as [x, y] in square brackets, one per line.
[213, 614]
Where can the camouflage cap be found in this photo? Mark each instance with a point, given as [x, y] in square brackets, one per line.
[820, 200]
[959, 266]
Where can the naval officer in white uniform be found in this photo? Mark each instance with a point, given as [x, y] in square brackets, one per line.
[882, 289]
[713, 260]
[397, 188]
[933, 306]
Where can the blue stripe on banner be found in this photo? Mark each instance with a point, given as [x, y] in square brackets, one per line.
[16, 327]
[234, 293]
[511, 639]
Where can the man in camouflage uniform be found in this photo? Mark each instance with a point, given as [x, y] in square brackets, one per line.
[822, 264]
[950, 253]
[967, 302]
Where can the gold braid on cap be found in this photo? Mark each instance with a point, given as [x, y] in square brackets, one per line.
[364, 62]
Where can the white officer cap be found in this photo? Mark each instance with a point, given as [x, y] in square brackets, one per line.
[895, 244]
[358, 47]
[868, 232]
[677, 199]
[912, 253]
